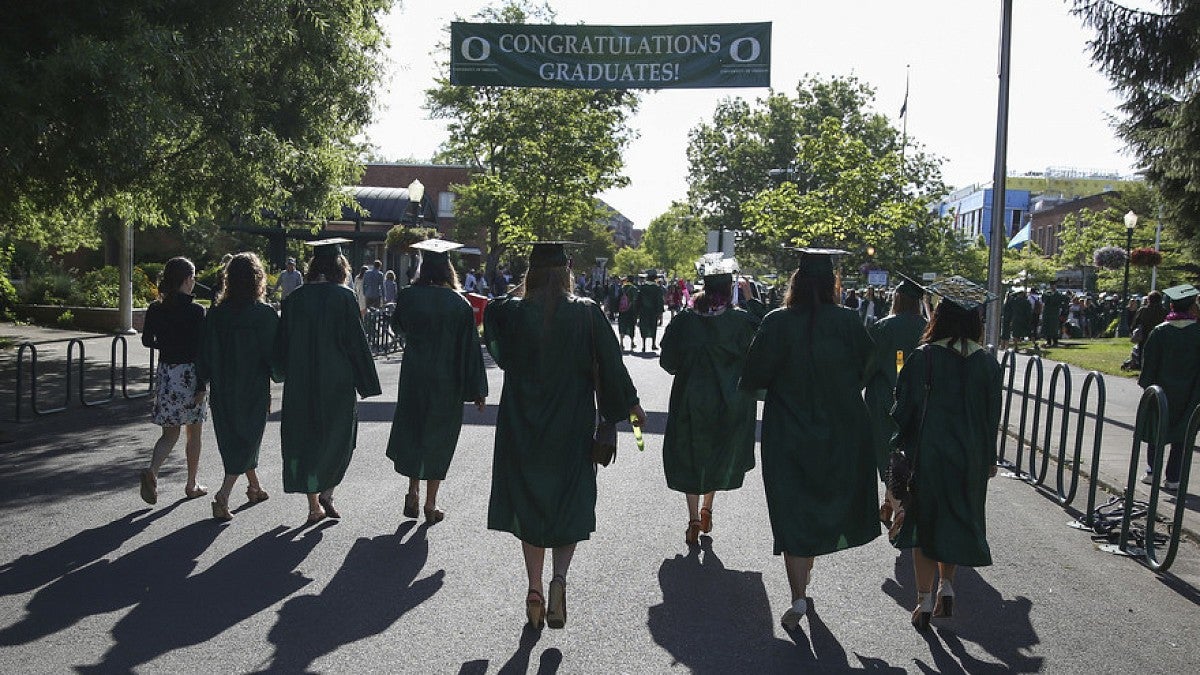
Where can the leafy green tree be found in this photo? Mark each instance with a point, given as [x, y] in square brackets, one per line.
[675, 240]
[1152, 59]
[631, 260]
[542, 155]
[180, 112]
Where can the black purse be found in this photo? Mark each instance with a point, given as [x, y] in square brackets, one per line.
[901, 475]
[604, 439]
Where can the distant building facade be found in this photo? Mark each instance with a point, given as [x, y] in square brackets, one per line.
[1049, 217]
[971, 211]
[621, 227]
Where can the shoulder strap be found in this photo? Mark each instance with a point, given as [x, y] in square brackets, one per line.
[924, 406]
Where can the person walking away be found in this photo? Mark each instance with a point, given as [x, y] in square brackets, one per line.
[389, 288]
[627, 310]
[373, 285]
[650, 310]
[236, 360]
[947, 414]
[1147, 318]
[550, 346]
[867, 308]
[1171, 359]
[322, 353]
[173, 326]
[894, 337]
[358, 285]
[289, 280]
[709, 442]
[1053, 304]
[442, 368]
[818, 466]
[1017, 316]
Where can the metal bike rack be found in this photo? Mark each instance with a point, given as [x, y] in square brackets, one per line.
[73, 345]
[1185, 470]
[1009, 362]
[125, 369]
[33, 388]
[1034, 365]
[1065, 498]
[1152, 404]
[112, 375]
[1039, 475]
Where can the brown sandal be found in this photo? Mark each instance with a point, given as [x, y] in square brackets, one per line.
[434, 516]
[256, 495]
[705, 519]
[692, 536]
[556, 612]
[535, 609]
[411, 509]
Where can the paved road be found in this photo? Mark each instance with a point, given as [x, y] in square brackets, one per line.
[91, 579]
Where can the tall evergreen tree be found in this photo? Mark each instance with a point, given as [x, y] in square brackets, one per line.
[1153, 59]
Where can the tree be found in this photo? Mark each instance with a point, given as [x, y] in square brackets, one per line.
[630, 260]
[542, 155]
[675, 240]
[845, 185]
[1152, 59]
[181, 112]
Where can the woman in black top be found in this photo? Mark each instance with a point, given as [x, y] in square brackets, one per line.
[173, 324]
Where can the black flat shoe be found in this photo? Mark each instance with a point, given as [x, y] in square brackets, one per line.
[411, 509]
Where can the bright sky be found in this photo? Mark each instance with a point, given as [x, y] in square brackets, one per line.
[1060, 105]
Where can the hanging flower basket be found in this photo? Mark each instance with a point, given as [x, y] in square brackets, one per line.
[1145, 257]
[1109, 257]
[400, 237]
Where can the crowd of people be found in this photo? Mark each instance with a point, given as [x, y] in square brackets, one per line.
[809, 360]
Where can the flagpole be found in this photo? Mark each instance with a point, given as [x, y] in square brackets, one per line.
[999, 229]
[904, 123]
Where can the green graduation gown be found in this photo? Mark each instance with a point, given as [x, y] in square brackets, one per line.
[1171, 359]
[1052, 305]
[442, 368]
[709, 444]
[543, 483]
[1018, 317]
[322, 352]
[895, 333]
[235, 359]
[947, 518]
[650, 300]
[627, 320]
[817, 462]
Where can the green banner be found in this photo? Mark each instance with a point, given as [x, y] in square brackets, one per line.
[611, 57]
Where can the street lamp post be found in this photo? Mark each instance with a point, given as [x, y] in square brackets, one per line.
[1130, 223]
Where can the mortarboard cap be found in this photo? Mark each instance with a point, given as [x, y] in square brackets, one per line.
[651, 274]
[910, 288]
[1183, 292]
[432, 249]
[961, 292]
[816, 262]
[327, 248]
[549, 253]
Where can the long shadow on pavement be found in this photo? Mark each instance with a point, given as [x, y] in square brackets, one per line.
[200, 607]
[38, 569]
[157, 569]
[1000, 627]
[375, 585]
[715, 620]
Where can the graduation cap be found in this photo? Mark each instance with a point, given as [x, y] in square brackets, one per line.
[909, 287]
[651, 274]
[816, 262]
[1183, 292]
[717, 270]
[327, 248]
[436, 249]
[549, 253]
[961, 292]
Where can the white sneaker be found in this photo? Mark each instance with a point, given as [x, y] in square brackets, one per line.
[1171, 485]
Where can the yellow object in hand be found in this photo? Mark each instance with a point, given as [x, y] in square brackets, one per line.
[899, 360]
[637, 433]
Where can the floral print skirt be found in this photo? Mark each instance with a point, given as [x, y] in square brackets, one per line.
[174, 392]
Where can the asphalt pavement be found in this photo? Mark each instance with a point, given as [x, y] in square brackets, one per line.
[93, 580]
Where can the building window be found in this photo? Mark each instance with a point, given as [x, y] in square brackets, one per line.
[445, 205]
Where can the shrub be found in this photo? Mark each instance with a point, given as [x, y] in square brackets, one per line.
[53, 288]
[8, 292]
[152, 270]
[66, 319]
[99, 288]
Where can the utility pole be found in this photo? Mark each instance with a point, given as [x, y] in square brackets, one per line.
[996, 242]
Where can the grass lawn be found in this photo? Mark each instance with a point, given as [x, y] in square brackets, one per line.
[1103, 354]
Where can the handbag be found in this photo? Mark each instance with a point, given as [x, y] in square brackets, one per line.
[901, 475]
[1137, 336]
[604, 439]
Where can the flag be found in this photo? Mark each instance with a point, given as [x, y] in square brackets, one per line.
[904, 106]
[1020, 237]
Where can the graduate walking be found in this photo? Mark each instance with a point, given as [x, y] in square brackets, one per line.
[709, 443]
[627, 310]
[323, 355]
[236, 360]
[948, 417]
[650, 301]
[1171, 359]
[818, 465]
[895, 337]
[442, 368]
[550, 345]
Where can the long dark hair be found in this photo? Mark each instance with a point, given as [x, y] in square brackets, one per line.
[903, 303]
[334, 269]
[545, 286]
[954, 323]
[805, 293]
[244, 280]
[175, 272]
[436, 270]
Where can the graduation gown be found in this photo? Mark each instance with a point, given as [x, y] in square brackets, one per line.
[442, 368]
[817, 462]
[947, 518]
[627, 320]
[709, 444]
[895, 333]
[236, 360]
[1052, 305]
[543, 484]
[1016, 317]
[1171, 359]
[323, 355]
[650, 299]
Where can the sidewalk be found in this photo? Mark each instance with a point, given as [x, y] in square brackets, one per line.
[1122, 397]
